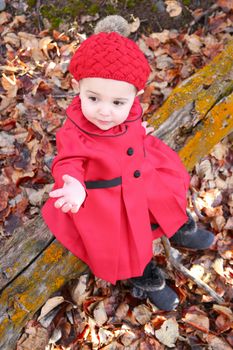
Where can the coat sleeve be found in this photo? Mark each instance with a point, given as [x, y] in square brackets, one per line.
[70, 157]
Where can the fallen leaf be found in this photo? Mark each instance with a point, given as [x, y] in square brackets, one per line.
[225, 4]
[122, 311]
[198, 320]
[173, 8]
[50, 305]
[219, 151]
[223, 323]
[168, 333]
[218, 266]
[12, 39]
[9, 83]
[229, 224]
[4, 17]
[217, 343]
[99, 314]
[128, 337]
[105, 336]
[204, 170]
[79, 291]
[133, 26]
[223, 310]
[197, 271]
[142, 314]
[194, 42]
[37, 338]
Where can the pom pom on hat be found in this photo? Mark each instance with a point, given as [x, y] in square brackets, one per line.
[113, 24]
[110, 55]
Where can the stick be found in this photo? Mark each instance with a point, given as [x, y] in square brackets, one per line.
[173, 255]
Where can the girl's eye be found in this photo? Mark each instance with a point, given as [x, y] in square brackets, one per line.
[118, 103]
[92, 98]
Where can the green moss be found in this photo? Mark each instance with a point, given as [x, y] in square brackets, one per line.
[130, 4]
[110, 10]
[93, 9]
[186, 2]
[154, 8]
[31, 3]
[48, 11]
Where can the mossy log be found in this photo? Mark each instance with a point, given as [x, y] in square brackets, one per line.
[33, 265]
[199, 112]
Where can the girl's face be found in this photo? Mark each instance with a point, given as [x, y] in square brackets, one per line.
[106, 102]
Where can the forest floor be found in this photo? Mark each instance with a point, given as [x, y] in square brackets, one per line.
[35, 90]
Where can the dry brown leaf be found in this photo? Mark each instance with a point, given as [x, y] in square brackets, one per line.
[99, 314]
[46, 44]
[204, 170]
[163, 37]
[224, 310]
[79, 291]
[168, 333]
[197, 320]
[218, 223]
[105, 336]
[4, 17]
[37, 338]
[194, 42]
[197, 271]
[217, 343]
[9, 83]
[12, 39]
[50, 305]
[128, 337]
[218, 266]
[223, 323]
[219, 151]
[229, 224]
[164, 62]
[122, 311]
[142, 314]
[173, 8]
[225, 4]
[133, 26]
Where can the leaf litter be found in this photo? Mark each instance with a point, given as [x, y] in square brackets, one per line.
[35, 90]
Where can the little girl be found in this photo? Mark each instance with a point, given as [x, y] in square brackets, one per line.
[117, 188]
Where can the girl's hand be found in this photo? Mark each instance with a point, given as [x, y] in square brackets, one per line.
[149, 129]
[71, 195]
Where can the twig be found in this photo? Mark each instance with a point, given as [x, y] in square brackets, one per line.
[196, 210]
[40, 21]
[204, 14]
[172, 255]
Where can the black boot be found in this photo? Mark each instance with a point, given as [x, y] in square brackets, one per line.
[190, 236]
[152, 285]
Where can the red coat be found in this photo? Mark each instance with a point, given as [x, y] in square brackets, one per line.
[132, 180]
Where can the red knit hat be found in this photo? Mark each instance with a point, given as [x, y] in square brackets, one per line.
[110, 56]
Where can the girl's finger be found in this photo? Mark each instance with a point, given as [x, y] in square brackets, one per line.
[74, 209]
[59, 203]
[66, 207]
[56, 193]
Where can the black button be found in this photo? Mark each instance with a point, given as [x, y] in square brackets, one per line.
[137, 173]
[130, 151]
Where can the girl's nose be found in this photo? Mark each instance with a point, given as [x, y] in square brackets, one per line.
[104, 110]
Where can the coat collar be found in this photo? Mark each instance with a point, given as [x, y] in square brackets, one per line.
[74, 113]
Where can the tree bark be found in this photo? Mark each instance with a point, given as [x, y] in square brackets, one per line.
[198, 113]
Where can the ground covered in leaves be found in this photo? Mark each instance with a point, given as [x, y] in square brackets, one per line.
[35, 89]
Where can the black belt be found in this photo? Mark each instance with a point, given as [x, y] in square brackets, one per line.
[103, 183]
[107, 184]
[154, 226]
